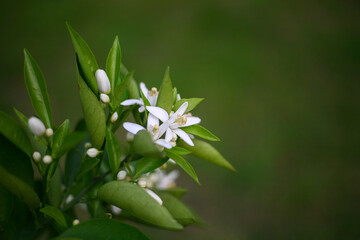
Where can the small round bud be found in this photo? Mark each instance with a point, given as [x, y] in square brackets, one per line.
[36, 156]
[47, 159]
[142, 183]
[104, 98]
[121, 175]
[49, 132]
[36, 126]
[75, 222]
[92, 152]
[114, 117]
[87, 145]
[102, 81]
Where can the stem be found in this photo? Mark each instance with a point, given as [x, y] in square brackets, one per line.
[84, 191]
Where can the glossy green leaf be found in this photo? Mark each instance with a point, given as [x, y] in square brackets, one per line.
[185, 165]
[144, 145]
[207, 152]
[179, 150]
[132, 87]
[104, 229]
[94, 115]
[177, 192]
[18, 180]
[177, 209]
[165, 99]
[86, 59]
[113, 64]
[121, 90]
[174, 95]
[137, 201]
[55, 188]
[70, 142]
[200, 131]
[193, 102]
[113, 150]
[146, 165]
[87, 165]
[12, 130]
[59, 138]
[36, 86]
[56, 214]
[94, 205]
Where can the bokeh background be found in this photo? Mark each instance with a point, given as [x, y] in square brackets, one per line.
[281, 82]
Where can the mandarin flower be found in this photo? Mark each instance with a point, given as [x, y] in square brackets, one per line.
[150, 95]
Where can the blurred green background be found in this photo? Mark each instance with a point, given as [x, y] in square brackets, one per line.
[281, 82]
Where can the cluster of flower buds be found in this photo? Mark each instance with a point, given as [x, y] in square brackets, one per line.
[103, 85]
[37, 127]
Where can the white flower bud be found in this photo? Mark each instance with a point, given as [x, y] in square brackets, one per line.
[47, 159]
[69, 199]
[104, 98]
[92, 152]
[154, 196]
[36, 126]
[142, 183]
[87, 145]
[49, 132]
[75, 222]
[114, 117]
[36, 156]
[102, 81]
[116, 210]
[121, 175]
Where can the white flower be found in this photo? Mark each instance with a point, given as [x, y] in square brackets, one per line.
[172, 124]
[114, 117]
[75, 222]
[104, 98]
[36, 156]
[167, 180]
[47, 159]
[154, 196]
[150, 95]
[102, 81]
[121, 175]
[36, 126]
[92, 152]
[134, 128]
[49, 132]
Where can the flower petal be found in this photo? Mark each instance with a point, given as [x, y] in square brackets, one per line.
[169, 135]
[191, 121]
[162, 129]
[180, 111]
[152, 121]
[152, 99]
[184, 136]
[132, 127]
[141, 109]
[132, 102]
[159, 113]
[163, 143]
[144, 89]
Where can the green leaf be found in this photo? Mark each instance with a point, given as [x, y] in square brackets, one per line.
[104, 229]
[179, 150]
[207, 152]
[200, 131]
[86, 59]
[70, 142]
[113, 150]
[137, 201]
[193, 102]
[94, 115]
[144, 145]
[87, 165]
[36, 86]
[165, 99]
[113, 64]
[146, 165]
[55, 188]
[56, 214]
[59, 138]
[6, 206]
[132, 87]
[16, 173]
[174, 95]
[185, 165]
[121, 90]
[177, 192]
[177, 209]
[15, 133]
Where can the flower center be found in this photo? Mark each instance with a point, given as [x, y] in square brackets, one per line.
[181, 120]
[155, 130]
[153, 92]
